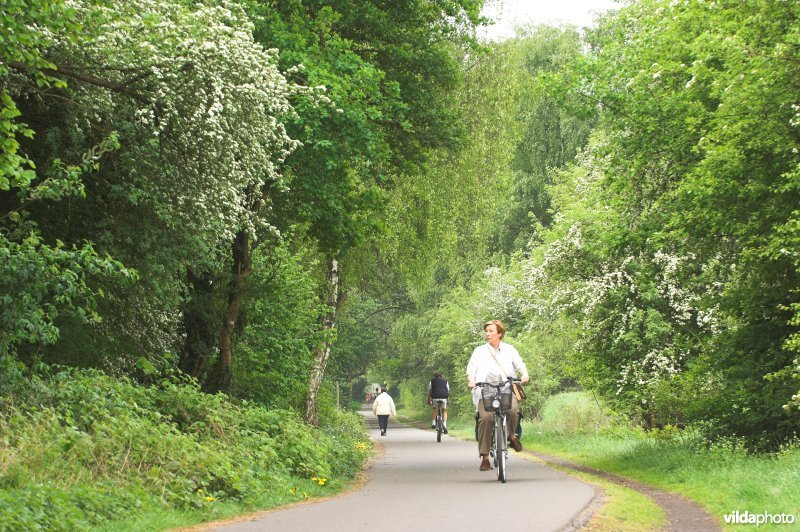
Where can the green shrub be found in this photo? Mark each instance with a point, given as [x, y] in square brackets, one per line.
[414, 396]
[572, 413]
[347, 430]
[166, 445]
[46, 507]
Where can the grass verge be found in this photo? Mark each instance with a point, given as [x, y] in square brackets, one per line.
[622, 509]
[178, 519]
[722, 477]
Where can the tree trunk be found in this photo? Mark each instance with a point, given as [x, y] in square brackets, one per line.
[334, 300]
[220, 378]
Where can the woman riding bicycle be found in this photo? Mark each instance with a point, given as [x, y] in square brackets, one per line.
[493, 362]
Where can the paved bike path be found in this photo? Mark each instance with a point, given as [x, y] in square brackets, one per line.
[417, 484]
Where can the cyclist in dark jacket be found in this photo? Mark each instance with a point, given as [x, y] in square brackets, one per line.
[438, 389]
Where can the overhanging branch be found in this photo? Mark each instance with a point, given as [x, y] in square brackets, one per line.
[87, 78]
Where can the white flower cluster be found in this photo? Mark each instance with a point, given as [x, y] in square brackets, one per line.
[682, 302]
[208, 105]
[794, 402]
[656, 365]
[795, 120]
[540, 295]
[497, 297]
[595, 289]
[565, 280]
[609, 306]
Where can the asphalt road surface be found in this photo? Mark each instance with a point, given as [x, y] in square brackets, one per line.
[419, 484]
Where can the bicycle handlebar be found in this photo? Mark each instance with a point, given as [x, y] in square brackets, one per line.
[508, 380]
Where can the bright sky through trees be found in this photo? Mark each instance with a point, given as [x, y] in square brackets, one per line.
[508, 14]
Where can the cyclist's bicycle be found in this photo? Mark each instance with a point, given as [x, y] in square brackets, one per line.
[439, 419]
[497, 398]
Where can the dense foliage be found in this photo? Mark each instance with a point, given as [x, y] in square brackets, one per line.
[659, 265]
[159, 154]
[280, 200]
[146, 448]
[693, 273]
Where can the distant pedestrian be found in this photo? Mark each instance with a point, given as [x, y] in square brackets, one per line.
[383, 406]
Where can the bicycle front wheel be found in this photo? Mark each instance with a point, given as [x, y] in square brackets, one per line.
[502, 446]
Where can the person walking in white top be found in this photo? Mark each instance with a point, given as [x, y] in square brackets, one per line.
[383, 406]
[492, 362]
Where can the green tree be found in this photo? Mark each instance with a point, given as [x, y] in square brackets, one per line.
[456, 223]
[700, 160]
[199, 108]
[388, 69]
[279, 325]
[41, 282]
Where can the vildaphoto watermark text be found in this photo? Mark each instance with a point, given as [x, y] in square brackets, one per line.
[762, 518]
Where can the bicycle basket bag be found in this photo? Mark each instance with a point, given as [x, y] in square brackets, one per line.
[519, 391]
[487, 394]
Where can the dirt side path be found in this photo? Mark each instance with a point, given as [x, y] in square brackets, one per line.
[419, 484]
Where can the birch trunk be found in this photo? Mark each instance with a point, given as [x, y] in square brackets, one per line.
[334, 301]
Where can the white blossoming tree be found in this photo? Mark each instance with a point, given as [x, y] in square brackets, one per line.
[636, 314]
[199, 108]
